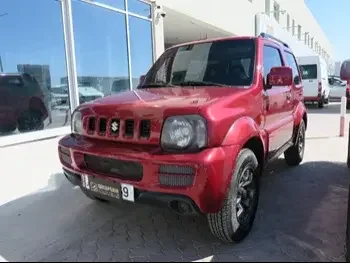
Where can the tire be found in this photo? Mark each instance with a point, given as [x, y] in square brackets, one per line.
[326, 101]
[227, 225]
[347, 239]
[8, 129]
[321, 103]
[295, 154]
[90, 196]
[348, 106]
[30, 121]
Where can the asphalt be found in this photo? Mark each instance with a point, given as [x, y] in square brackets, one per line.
[301, 214]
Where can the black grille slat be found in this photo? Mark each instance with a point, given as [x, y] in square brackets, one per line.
[128, 170]
[145, 128]
[92, 124]
[102, 125]
[129, 127]
[176, 169]
[176, 180]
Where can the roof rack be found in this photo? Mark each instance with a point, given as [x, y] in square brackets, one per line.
[268, 36]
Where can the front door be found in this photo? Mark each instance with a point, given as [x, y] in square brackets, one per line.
[278, 123]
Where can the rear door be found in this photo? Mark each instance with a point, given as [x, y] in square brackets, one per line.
[309, 75]
[278, 123]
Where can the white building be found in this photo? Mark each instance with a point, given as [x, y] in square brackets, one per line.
[198, 19]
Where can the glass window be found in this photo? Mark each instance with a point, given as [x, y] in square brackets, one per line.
[267, 7]
[308, 71]
[113, 3]
[140, 8]
[32, 55]
[276, 11]
[141, 49]
[101, 51]
[293, 64]
[220, 63]
[271, 58]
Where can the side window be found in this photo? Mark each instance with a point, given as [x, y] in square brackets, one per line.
[271, 58]
[293, 64]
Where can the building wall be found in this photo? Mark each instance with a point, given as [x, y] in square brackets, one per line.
[64, 40]
[238, 17]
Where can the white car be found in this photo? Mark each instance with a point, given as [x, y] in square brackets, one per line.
[337, 88]
[59, 95]
[314, 74]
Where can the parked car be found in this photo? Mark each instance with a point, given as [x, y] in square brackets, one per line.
[314, 73]
[337, 88]
[60, 93]
[345, 75]
[194, 139]
[22, 103]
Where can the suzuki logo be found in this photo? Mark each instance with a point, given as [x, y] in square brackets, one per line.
[115, 126]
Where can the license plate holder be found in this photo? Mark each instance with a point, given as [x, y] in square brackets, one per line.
[108, 188]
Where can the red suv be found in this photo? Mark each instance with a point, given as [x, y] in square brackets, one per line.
[196, 134]
[22, 103]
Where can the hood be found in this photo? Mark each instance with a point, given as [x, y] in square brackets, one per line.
[90, 91]
[161, 101]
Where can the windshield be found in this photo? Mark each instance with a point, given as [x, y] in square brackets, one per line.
[308, 71]
[219, 63]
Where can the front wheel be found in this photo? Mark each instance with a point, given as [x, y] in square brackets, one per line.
[235, 219]
[295, 154]
[30, 121]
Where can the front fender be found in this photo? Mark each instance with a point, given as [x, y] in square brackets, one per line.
[242, 130]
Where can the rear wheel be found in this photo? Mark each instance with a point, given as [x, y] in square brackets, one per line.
[30, 121]
[295, 154]
[321, 102]
[235, 219]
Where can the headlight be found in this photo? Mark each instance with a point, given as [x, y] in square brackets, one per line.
[77, 123]
[184, 132]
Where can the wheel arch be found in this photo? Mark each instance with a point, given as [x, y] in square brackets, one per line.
[246, 133]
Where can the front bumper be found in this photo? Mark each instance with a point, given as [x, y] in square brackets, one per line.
[212, 170]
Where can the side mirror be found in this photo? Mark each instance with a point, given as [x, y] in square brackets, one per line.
[142, 78]
[280, 76]
[345, 70]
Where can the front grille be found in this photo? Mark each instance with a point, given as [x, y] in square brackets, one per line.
[127, 170]
[176, 175]
[128, 128]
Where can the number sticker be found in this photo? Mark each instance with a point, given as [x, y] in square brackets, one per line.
[128, 192]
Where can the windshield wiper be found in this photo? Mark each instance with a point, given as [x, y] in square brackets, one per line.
[156, 85]
[201, 83]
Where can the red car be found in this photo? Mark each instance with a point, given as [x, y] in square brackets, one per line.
[22, 103]
[196, 134]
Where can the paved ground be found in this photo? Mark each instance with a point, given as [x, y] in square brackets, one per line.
[301, 215]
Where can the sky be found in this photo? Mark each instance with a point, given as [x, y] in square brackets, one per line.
[33, 34]
[332, 17]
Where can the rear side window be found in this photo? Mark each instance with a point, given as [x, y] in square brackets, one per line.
[308, 71]
[271, 58]
[293, 64]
